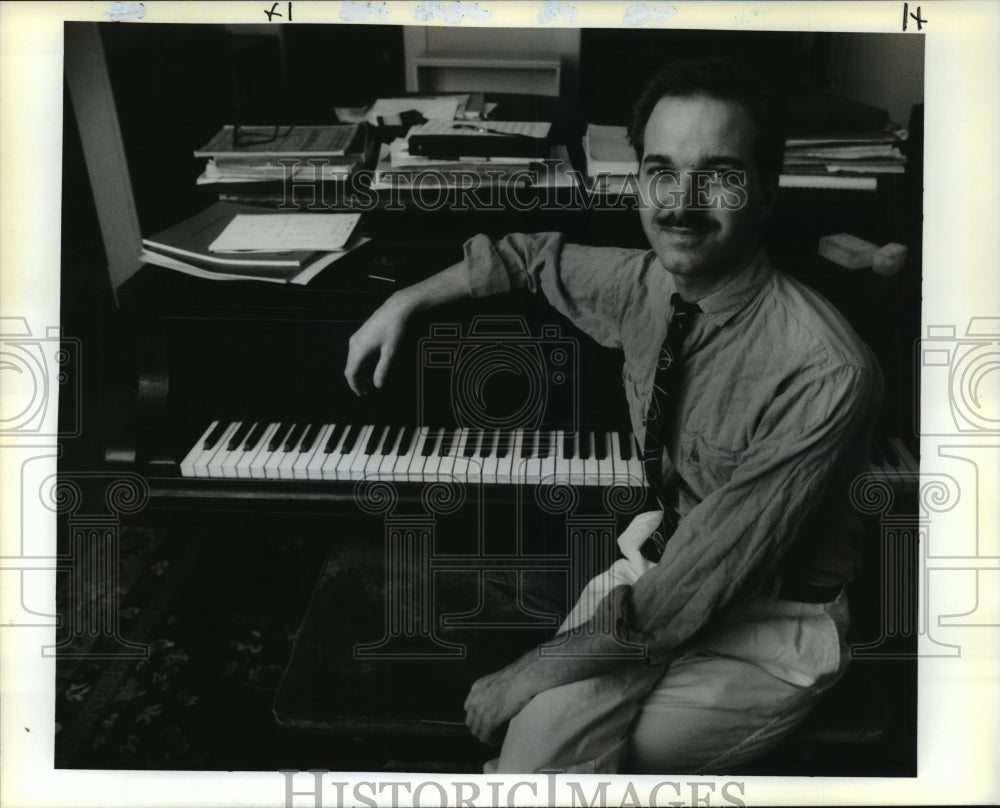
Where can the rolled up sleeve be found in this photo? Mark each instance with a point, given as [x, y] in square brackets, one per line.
[731, 543]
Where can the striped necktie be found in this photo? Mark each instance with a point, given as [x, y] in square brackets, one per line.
[659, 418]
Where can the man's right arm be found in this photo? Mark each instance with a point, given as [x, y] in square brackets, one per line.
[580, 282]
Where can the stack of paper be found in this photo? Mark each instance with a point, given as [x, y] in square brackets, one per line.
[844, 159]
[241, 242]
[269, 154]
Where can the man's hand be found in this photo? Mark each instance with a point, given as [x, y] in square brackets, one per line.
[493, 701]
[380, 334]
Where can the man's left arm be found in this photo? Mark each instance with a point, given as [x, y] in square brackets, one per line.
[724, 548]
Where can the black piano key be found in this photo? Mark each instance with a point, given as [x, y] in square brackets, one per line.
[444, 447]
[528, 444]
[254, 437]
[293, 437]
[279, 436]
[625, 445]
[486, 445]
[390, 439]
[503, 443]
[406, 441]
[600, 445]
[471, 443]
[353, 432]
[215, 434]
[335, 433]
[239, 435]
[544, 438]
[584, 445]
[889, 452]
[876, 454]
[430, 442]
[309, 438]
[569, 445]
[375, 439]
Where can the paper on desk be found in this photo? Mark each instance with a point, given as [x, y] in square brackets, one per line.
[275, 232]
[301, 279]
[443, 107]
[536, 129]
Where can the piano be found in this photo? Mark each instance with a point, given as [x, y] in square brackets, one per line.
[341, 452]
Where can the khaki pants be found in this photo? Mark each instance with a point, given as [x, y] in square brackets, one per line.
[725, 702]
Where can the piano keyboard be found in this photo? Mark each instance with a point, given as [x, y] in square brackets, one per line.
[246, 450]
[341, 451]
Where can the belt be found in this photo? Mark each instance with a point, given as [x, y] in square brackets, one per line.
[808, 593]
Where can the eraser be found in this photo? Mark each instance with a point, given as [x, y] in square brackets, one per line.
[848, 251]
[889, 259]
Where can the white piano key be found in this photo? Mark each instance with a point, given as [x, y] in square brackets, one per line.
[446, 461]
[187, 464]
[577, 474]
[231, 463]
[635, 468]
[371, 462]
[532, 464]
[287, 464]
[547, 465]
[312, 468]
[433, 461]
[273, 461]
[252, 464]
[385, 470]
[301, 463]
[203, 467]
[328, 471]
[223, 465]
[490, 463]
[605, 467]
[459, 462]
[353, 466]
[590, 465]
[410, 466]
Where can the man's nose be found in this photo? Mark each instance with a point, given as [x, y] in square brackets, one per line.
[674, 191]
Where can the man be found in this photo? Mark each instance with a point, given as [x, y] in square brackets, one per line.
[754, 418]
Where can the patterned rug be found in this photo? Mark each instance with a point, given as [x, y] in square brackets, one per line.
[218, 611]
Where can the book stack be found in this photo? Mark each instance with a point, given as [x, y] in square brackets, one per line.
[851, 160]
[241, 242]
[263, 154]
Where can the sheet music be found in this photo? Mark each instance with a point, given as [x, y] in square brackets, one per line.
[274, 232]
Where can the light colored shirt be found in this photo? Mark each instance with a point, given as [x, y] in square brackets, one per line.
[773, 419]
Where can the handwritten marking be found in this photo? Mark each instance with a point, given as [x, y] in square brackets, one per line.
[916, 17]
[638, 13]
[553, 9]
[126, 11]
[360, 11]
[452, 11]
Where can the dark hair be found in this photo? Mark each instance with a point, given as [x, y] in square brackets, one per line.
[725, 80]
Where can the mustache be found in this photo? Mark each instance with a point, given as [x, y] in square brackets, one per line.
[686, 218]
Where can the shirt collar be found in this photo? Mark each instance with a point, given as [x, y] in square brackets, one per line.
[727, 301]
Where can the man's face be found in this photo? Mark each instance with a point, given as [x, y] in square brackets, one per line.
[701, 219]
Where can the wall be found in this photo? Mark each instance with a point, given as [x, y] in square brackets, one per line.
[885, 70]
